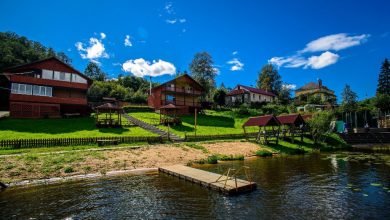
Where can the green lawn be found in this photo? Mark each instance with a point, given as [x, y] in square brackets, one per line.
[213, 122]
[61, 128]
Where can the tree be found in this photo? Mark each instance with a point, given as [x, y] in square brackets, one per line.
[269, 79]
[18, 50]
[319, 124]
[64, 58]
[203, 72]
[384, 79]
[219, 97]
[94, 72]
[382, 101]
[349, 99]
[284, 95]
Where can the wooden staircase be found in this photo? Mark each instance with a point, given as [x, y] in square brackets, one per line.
[153, 129]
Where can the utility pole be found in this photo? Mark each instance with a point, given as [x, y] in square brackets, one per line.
[196, 112]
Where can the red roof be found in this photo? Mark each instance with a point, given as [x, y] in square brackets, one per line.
[109, 106]
[250, 89]
[194, 82]
[265, 120]
[291, 119]
[236, 92]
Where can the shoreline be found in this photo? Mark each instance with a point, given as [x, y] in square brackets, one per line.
[54, 180]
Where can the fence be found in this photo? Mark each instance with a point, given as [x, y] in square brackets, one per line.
[52, 142]
[219, 136]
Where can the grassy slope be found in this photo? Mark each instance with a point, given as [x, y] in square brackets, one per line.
[213, 122]
[61, 128]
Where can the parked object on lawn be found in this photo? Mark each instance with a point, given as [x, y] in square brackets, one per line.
[46, 88]
[108, 110]
[168, 115]
[264, 123]
[292, 126]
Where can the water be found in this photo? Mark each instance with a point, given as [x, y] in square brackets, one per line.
[342, 186]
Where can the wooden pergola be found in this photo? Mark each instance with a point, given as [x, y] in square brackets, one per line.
[168, 115]
[264, 123]
[108, 121]
[292, 124]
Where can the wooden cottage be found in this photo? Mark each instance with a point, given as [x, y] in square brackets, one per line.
[46, 88]
[182, 92]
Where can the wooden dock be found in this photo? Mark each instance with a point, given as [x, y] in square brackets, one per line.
[210, 180]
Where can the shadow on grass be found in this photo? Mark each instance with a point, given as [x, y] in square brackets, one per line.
[55, 126]
[210, 120]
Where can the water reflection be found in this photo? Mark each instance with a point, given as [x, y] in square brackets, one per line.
[345, 186]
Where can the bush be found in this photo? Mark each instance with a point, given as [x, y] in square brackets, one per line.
[213, 159]
[319, 124]
[230, 157]
[263, 153]
[68, 170]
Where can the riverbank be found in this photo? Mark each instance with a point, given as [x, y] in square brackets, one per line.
[58, 166]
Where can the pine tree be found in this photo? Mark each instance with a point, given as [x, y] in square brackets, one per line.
[384, 79]
[349, 97]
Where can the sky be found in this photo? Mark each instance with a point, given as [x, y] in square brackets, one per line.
[340, 42]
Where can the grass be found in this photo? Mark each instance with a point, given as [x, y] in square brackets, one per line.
[263, 153]
[213, 122]
[62, 128]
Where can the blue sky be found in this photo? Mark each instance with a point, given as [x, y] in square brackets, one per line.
[338, 41]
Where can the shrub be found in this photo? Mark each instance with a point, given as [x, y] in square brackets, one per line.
[68, 170]
[263, 153]
[134, 108]
[320, 124]
[230, 157]
[213, 159]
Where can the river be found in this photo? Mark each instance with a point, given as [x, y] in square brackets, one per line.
[316, 186]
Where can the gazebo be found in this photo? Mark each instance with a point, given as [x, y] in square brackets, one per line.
[292, 124]
[168, 114]
[264, 122]
[108, 120]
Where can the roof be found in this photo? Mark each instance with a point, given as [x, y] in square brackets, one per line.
[265, 120]
[312, 86]
[236, 92]
[108, 106]
[169, 106]
[44, 60]
[291, 119]
[179, 77]
[251, 89]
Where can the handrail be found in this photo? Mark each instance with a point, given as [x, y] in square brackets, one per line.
[234, 175]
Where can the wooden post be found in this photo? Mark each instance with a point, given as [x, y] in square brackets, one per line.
[196, 113]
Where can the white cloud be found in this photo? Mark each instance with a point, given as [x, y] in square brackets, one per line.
[216, 70]
[127, 41]
[140, 67]
[182, 20]
[235, 53]
[236, 65]
[94, 51]
[171, 21]
[315, 62]
[102, 35]
[335, 42]
[325, 59]
[169, 8]
[289, 86]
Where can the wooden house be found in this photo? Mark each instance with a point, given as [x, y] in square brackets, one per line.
[46, 88]
[183, 92]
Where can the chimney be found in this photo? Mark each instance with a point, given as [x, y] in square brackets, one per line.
[320, 83]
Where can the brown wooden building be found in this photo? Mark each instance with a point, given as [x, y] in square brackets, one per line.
[183, 92]
[46, 88]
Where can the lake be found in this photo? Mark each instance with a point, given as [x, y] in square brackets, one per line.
[318, 186]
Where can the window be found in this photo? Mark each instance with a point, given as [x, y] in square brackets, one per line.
[42, 91]
[78, 79]
[56, 75]
[47, 74]
[170, 98]
[24, 89]
[253, 96]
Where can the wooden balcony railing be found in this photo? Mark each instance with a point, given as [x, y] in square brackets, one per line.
[46, 99]
[181, 90]
[181, 103]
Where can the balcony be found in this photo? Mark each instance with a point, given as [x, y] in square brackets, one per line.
[46, 99]
[47, 82]
[181, 90]
[181, 103]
